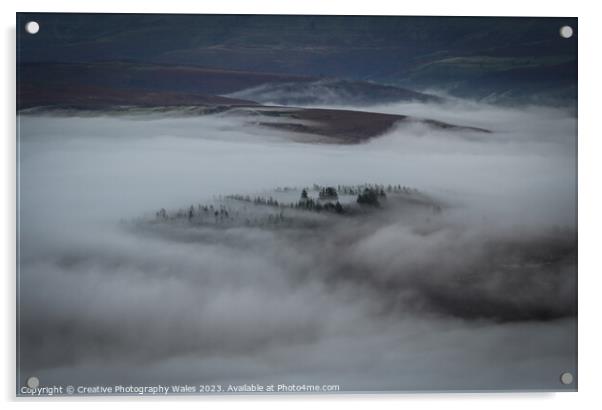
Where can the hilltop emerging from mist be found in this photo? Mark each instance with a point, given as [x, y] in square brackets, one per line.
[125, 88]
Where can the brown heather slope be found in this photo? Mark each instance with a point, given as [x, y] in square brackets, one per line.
[338, 126]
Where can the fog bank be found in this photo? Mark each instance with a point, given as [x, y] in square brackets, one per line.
[482, 295]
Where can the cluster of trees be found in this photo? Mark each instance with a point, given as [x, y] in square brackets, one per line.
[221, 215]
[265, 201]
[305, 201]
[370, 196]
[328, 200]
[200, 211]
[328, 193]
[380, 188]
[312, 205]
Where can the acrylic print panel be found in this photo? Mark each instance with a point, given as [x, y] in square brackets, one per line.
[226, 204]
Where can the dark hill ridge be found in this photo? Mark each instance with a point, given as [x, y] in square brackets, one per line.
[155, 77]
[99, 98]
[124, 76]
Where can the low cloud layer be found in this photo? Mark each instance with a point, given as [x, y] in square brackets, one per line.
[402, 299]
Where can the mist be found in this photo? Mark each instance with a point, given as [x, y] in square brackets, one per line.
[482, 294]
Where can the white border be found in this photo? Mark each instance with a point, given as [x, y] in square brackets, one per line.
[590, 204]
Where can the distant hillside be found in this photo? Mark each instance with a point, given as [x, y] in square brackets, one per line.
[126, 77]
[536, 80]
[451, 53]
[150, 77]
[102, 98]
